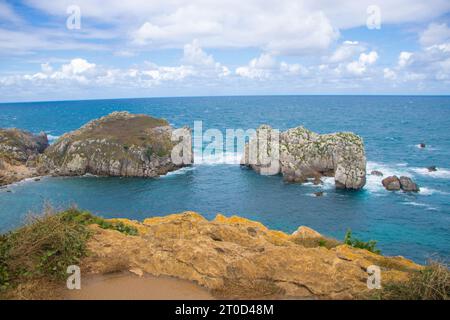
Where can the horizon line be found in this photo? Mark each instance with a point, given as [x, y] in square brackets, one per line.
[227, 96]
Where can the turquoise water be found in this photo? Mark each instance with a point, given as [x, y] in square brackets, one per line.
[413, 225]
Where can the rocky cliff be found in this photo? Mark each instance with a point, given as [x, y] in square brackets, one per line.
[302, 154]
[19, 154]
[120, 144]
[239, 258]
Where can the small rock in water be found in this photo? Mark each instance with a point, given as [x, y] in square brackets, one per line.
[422, 145]
[377, 173]
[432, 168]
[318, 193]
[391, 183]
[408, 185]
[37, 179]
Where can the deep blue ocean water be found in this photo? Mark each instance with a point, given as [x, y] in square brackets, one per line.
[413, 225]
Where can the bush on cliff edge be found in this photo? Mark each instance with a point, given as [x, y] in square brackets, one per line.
[38, 254]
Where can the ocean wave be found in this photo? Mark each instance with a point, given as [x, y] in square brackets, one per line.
[178, 172]
[419, 204]
[51, 137]
[428, 191]
[441, 173]
[373, 182]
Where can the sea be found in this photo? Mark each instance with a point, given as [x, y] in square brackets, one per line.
[413, 225]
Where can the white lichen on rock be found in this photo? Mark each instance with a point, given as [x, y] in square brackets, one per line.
[304, 155]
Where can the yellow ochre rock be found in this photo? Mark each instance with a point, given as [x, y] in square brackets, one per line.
[239, 258]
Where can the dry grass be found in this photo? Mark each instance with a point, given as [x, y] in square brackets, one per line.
[328, 243]
[432, 283]
[35, 256]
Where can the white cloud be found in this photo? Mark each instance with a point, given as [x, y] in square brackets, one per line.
[77, 66]
[360, 66]
[435, 34]
[292, 69]
[404, 58]
[258, 68]
[346, 51]
[389, 74]
[195, 55]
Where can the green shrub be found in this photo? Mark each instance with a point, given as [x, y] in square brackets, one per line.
[356, 243]
[86, 218]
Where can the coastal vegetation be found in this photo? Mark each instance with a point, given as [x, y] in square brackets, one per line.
[34, 258]
[370, 245]
[431, 283]
[231, 256]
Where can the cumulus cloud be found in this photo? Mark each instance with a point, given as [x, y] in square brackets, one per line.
[346, 51]
[258, 68]
[360, 66]
[195, 63]
[291, 29]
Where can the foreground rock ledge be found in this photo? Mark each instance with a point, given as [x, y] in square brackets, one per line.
[304, 155]
[239, 258]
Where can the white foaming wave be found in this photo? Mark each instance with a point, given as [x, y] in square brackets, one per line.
[427, 147]
[419, 204]
[232, 158]
[441, 173]
[428, 191]
[373, 182]
[178, 172]
[328, 183]
[52, 137]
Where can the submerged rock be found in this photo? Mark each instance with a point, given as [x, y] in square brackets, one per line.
[422, 145]
[120, 144]
[376, 173]
[242, 264]
[318, 193]
[432, 168]
[408, 185]
[19, 153]
[391, 183]
[303, 154]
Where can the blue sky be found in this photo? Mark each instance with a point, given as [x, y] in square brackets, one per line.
[144, 48]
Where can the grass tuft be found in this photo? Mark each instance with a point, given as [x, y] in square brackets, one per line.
[43, 248]
[431, 283]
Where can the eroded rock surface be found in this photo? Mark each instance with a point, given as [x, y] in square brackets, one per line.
[239, 258]
[394, 183]
[305, 155]
[120, 144]
[19, 154]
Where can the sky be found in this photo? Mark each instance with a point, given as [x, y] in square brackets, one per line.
[95, 49]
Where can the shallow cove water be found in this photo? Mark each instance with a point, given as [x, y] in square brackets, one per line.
[413, 225]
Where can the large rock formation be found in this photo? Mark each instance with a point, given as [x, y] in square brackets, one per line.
[303, 154]
[238, 258]
[19, 154]
[120, 144]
